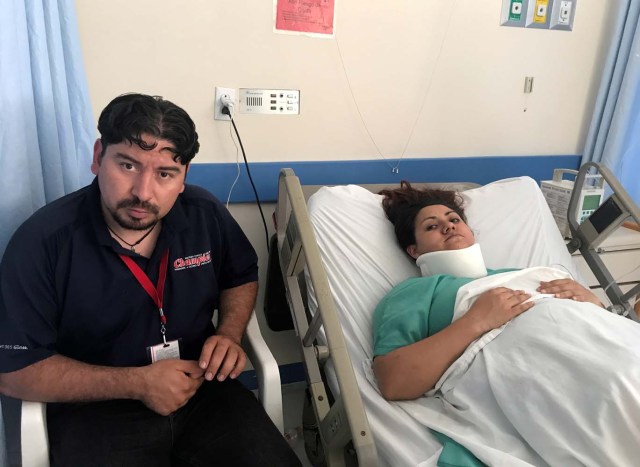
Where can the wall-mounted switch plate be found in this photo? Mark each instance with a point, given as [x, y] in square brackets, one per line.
[539, 13]
[513, 13]
[562, 15]
[528, 84]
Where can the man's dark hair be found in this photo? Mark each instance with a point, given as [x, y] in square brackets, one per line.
[402, 205]
[129, 116]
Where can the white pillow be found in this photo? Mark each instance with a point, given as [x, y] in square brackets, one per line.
[514, 225]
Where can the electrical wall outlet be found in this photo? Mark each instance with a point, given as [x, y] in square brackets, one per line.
[227, 93]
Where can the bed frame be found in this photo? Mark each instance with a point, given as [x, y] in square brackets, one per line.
[343, 433]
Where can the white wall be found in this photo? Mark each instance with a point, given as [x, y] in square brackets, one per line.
[430, 78]
[445, 66]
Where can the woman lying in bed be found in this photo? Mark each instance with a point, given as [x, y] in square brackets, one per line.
[426, 221]
[566, 360]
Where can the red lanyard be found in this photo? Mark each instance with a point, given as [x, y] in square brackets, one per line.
[156, 293]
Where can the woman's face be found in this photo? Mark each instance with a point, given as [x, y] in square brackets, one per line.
[439, 228]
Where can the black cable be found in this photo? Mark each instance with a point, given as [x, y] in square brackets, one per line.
[225, 110]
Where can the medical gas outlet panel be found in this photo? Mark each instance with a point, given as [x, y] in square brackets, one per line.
[255, 101]
[539, 14]
[270, 101]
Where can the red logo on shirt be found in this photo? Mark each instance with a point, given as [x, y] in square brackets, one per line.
[192, 261]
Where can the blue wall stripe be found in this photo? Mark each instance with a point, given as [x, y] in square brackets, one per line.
[218, 178]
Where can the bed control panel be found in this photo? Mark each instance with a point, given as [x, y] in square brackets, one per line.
[602, 221]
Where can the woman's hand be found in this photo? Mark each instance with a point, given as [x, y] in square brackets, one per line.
[495, 307]
[408, 372]
[568, 288]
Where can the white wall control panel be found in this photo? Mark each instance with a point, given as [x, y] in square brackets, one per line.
[269, 101]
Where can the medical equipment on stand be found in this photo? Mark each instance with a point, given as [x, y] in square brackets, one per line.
[558, 193]
[607, 218]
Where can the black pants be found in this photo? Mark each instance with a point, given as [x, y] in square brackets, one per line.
[222, 425]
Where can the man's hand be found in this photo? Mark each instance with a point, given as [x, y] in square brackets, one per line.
[568, 288]
[223, 356]
[169, 384]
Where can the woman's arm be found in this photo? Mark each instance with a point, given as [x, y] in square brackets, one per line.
[410, 371]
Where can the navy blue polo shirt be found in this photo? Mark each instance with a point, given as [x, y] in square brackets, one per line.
[64, 289]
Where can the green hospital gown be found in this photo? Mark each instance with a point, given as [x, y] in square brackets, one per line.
[417, 308]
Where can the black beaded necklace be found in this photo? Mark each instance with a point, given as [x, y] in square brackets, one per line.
[133, 245]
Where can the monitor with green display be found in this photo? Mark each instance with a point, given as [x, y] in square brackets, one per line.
[590, 202]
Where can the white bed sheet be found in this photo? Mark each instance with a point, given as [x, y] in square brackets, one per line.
[512, 224]
[529, 398]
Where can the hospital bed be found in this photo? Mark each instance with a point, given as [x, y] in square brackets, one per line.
[33, 430]
[339, 256]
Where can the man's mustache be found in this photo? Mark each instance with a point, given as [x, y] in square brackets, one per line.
[136, 203]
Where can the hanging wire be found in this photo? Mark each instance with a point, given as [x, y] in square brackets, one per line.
[237, 166]
[396, 168]
[618, 279]
[253, 186]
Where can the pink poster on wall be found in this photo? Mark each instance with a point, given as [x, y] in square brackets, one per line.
[305, 16]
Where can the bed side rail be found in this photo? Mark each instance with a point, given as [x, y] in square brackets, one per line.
[344, 420]
[589, 234]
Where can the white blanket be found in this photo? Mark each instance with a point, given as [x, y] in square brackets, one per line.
[558, 385]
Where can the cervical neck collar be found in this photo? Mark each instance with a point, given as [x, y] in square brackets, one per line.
[466, 262]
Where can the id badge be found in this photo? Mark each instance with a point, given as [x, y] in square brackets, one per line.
[164, 351]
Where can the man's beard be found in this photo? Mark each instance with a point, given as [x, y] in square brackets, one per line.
[135, 224]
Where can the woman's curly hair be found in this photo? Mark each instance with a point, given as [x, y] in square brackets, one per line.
[402, 205]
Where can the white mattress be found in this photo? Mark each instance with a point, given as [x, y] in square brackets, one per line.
[514, 228]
